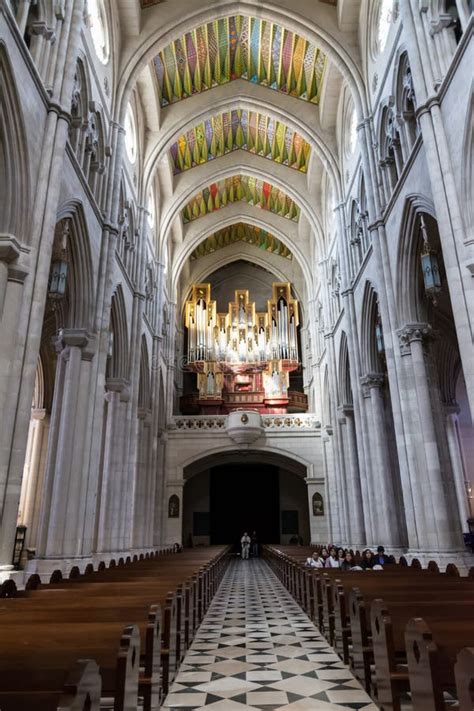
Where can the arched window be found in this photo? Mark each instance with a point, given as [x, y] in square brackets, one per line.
[406, 105]
[99, 30]
[383, 18]
[351, 132]
[130, 135]
[390, 151]
[79, 111]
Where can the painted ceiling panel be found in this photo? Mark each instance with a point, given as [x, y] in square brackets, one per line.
[241, 187]
[240, 129]
[239, 47]
[241, 232]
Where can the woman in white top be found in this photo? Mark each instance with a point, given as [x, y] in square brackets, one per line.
[332, 561]
[314, 561]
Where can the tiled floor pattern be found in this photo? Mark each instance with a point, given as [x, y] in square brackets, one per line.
[256, 649]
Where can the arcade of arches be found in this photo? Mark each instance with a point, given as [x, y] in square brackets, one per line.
[236, 275]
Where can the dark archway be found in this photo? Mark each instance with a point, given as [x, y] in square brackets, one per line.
[244, 498]
[229, 492]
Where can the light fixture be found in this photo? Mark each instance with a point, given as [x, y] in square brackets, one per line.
[429, 265]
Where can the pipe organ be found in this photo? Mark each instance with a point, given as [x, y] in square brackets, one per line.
[242, 357]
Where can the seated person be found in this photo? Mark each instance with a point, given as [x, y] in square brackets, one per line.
[347, 562]
[367, 560]
[381, 558]
[314, 561]
[332, 561]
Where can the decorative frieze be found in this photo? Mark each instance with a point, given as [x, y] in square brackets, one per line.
[271, 423]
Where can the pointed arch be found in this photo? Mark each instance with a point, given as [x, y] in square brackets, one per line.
[144, 383]
[118, 365]
[80, 280]
[467, 169]
[344, 373]
[14, 176]
[408, 302]
[370, 313]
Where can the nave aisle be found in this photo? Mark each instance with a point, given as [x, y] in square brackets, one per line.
[256, 649]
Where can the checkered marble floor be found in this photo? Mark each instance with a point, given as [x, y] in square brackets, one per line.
[256, 649]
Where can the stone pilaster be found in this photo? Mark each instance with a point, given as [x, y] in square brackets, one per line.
[438, 529]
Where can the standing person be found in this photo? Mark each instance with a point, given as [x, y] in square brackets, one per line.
[245, 543]
[254, 545]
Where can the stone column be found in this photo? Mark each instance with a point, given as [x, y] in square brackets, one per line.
[383, 495]
[62, 524]
[33, 477]
[109, 537]
[353, 480]
[452, 231]
[457, 464]
[441, 530]
[143, 507]
[19, 346]
[334, 531]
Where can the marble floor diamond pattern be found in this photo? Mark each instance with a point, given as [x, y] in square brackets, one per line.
[256, 649]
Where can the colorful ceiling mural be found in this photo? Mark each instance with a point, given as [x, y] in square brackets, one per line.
[241, 187]
[241, 232]
[239, 47]
[240, 129]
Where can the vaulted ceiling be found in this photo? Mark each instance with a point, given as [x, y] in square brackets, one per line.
[240, 145]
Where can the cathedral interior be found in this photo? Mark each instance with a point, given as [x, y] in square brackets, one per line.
[236, 276]
[236, 295]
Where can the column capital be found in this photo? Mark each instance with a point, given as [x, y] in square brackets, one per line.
[118, 385]
[372, 380]
[10, 248]
[412, 332]
[451, 409]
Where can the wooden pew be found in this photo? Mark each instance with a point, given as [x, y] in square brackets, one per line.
[35, 662]
[449, 626]
[81, 692]
[104, 601]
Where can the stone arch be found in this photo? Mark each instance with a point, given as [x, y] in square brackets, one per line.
[80, 287]
[467, 169]
[407, 297]
[144, 383]
[79, 107]
[369, 357]
[14, 176]
[326, 399]
[331, 41]
[222, 220]
[118, 364]
[295, 462]
[405, 101]
[344, 376]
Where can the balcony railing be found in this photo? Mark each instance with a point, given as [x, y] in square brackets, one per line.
[303, 422]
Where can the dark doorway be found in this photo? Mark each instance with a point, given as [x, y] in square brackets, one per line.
[244, 497]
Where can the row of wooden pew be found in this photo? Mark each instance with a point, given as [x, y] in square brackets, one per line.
[401, 629]
[113, 637]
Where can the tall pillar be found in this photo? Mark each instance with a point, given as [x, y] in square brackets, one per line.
[318, 518]
[440, 530]
[63, 526]
[383, 494]
[457, 463]
[353, 479]
[109, 537]
[33, 477]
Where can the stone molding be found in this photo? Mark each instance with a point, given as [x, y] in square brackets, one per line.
[9, 248]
